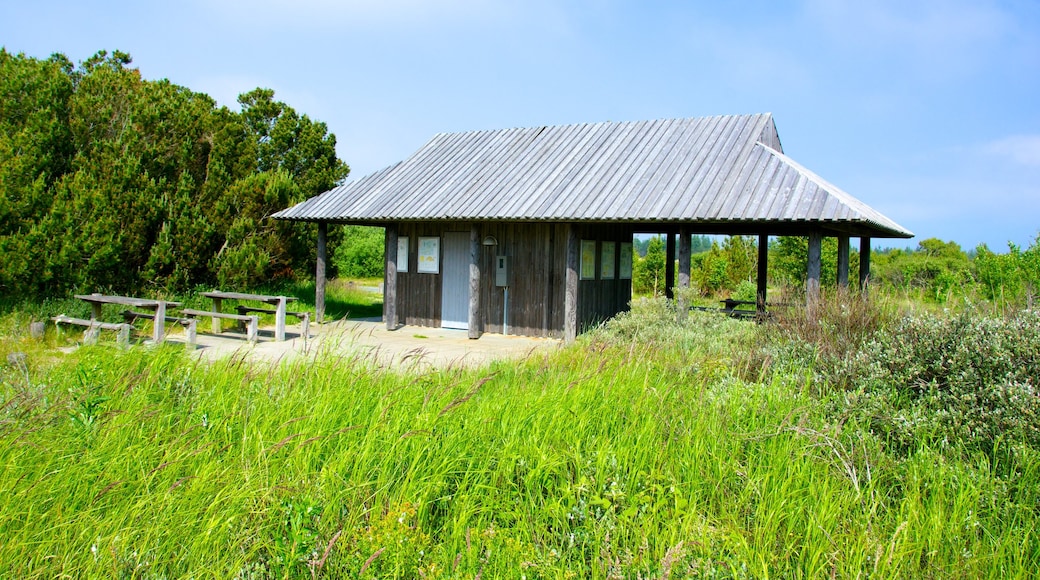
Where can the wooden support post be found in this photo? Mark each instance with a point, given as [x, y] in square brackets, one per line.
[279, 320]
[95, 308]
[91, 335]
[812, 270]
[215, 324]
[864, 265]
[390, 283]
[684, 257]
[763, 272]
[570, 299]
[843, 262]
[684, 269]
[319, 273]
[190, 333]
[475, 326]
[159, 324]
[669, 265]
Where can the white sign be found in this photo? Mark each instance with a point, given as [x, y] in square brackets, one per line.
[429, 255]
[402, 254]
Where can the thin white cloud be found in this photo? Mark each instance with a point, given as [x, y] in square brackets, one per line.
[1022, 149]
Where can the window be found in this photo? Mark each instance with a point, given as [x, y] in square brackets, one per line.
[606, 260]
[588, 259]
[626, 261]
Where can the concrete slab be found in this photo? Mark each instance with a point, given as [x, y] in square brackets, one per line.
[408, 347]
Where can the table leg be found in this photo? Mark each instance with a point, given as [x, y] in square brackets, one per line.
[95, 311]
[279, 320]
[160, 322]
[216, 321]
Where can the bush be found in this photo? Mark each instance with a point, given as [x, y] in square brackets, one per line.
[964, 379]
[360, 254]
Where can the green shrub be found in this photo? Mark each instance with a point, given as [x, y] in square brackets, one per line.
[360, 254]
[965, 379]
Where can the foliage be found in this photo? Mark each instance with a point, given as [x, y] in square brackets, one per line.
[941, 270]
[1012, 278]
[360, 253]
[648, 271]
[698, 244]
[725, 268]
[962, 380]
[788, 255]
[637, 452]
[110, 181]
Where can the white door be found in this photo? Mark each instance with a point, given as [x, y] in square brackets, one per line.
[455, 281]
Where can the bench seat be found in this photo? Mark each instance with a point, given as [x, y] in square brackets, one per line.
[252, 321]
[189, 324]
[305, 317]
[94, 328]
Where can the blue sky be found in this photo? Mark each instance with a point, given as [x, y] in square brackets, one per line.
[927, 110]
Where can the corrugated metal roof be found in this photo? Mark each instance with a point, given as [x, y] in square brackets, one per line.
[710, 170]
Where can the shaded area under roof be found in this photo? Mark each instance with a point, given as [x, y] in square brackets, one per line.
[723, 174]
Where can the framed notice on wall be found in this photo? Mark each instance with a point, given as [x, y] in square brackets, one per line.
[429, 255]
[402, 254]
[606, 260]
[625, 271]
[588, 259]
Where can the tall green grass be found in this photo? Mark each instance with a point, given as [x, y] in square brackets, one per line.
[642, 451]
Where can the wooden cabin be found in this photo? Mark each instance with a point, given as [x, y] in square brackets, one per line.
[529, 231]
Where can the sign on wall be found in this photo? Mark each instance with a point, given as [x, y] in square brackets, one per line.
[626, 261]
[429, 255]
[588, 259]
[606, 260]
[402, 254]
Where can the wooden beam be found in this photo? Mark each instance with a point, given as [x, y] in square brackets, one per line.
[763, 272]
[843, 261]
[812, 270]
[475, 327]
[319, 273]
[684, 268]
[669, 266]
[570, 299]
[684, 257]
[864, 265]
[390, 283]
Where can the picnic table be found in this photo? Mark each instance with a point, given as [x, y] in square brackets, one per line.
[731, 304]
[279, 303]
[97, 300]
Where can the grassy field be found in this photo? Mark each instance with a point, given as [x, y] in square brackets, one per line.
[709, 448]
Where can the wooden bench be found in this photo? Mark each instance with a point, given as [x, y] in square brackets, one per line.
[189, 324]
[252, 320]
[279, 302]
[305, 317]
[94, 328]
[733, 313]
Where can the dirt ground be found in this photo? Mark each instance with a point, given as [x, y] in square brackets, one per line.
[407, 347]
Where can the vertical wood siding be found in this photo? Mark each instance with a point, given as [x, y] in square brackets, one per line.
[538, 261]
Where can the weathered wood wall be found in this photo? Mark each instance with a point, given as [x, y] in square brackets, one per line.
[419, 295]
[599, 300]
[537, 253]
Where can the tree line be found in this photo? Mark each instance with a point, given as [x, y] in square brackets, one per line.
[935, 271]
[109, 181]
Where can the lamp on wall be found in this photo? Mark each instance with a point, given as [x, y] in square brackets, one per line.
[490, 241]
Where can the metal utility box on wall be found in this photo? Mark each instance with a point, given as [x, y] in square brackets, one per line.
[501, 271]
